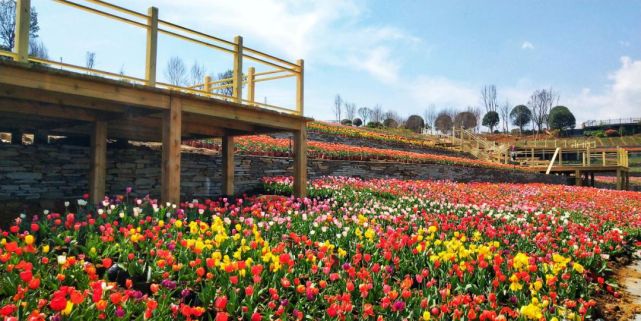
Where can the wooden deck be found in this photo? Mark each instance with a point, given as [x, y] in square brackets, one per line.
[38, 99]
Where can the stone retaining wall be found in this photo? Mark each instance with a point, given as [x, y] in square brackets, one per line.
[57, 172]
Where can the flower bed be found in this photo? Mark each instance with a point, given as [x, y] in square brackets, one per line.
[268, 146]
[634, 180]
[379, 249]
[388, 135]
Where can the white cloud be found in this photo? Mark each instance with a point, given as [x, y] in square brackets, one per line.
[325, 32]
[620, 99]
[527, 45]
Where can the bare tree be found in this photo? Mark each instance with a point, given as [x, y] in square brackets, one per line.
[429, 115]
[228, 90]
[488, 96]
[8, 24]
[90, 59]
[176, 71]
[504, 112]
[37, 49]
[393, 115]
[540, 103]
[338, 107]
[365, 113]
[196, 74]
[350, 110]
[377, 113]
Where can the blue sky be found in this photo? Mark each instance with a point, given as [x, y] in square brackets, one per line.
[404, 55]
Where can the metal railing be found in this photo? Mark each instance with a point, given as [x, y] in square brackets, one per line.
[611, 122]
[155, 26]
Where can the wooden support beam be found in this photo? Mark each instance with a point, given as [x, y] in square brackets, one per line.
[592, 179]
[171, 141]
[152, 46]
[300, 163]
[98, 170]
[300, 88]
[228, 163]
[21, 36]
[619, 180]
[237, 77]
[16, 137]
[207, 84]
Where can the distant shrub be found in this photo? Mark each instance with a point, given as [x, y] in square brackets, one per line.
[610, 132]
[390, 123]
[346, 122]
[357, 122]
[374, 124]
[415, 123]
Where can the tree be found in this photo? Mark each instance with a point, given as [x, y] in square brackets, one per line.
[365, 113]
[357, 122]
[350, 110]
[197, 74]
[228, 80]
[338, 106]
[429, 116]
[521, 116]
[443, 122]
[8, 24]
[37, 49]
[488, 96]
[504, 110]
[490, 120]
[465, 120]
[377, 114]
[90, 59]
[346, 122]
[393, 115]
[176, 71]
[561, 118]
[541, 101]
[415, 123]
[390, 123]
[476, 111]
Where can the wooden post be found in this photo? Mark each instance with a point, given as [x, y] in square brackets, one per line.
[171, 141]
[300, 87]
[592, 179]
[300, 162]
[23, 22]
[577, 178]
[251, 86]
[152, 46]
[98, 170]
[207, 84]
[16, 137]
[40, 137]
[560, 157]
[603, 156]
[619, 180]
[589, 156]
[237, 78]
[228, 165]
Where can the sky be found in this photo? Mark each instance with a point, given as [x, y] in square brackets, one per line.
[403, 55]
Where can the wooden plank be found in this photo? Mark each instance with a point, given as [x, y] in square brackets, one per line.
[300, 163]
[46, 110]
[300, 88]
[98, 169]
[171, 142]
[23, 22]
[578, 180]
[227, 155]
[152, 46]
[238, 70]
[82, 85]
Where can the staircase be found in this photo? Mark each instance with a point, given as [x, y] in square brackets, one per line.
[479, 147]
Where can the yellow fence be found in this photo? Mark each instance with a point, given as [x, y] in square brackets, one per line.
[281, 68]
[579, 157]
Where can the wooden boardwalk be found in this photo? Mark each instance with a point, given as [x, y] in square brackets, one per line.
[49, 97]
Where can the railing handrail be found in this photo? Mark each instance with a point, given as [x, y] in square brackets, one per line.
[154, 26]
[611, 121]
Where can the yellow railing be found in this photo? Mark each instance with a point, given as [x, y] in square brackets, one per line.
[579, 157]
[154, 26]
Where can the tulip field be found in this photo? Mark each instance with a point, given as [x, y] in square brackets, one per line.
[356, 249]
